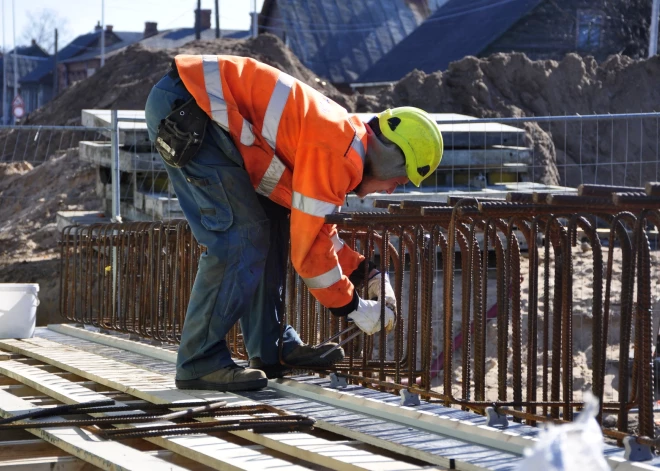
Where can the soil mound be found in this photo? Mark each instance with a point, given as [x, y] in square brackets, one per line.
[512, 85]
[31, 196]
[128, 75]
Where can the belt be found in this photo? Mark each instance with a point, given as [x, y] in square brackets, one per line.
[173, 73]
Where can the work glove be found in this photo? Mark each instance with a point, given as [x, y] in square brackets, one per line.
[367, 317]
[373, 290]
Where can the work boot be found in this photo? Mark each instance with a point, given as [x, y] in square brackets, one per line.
[307, 355]
[231, 378]
[272, 371]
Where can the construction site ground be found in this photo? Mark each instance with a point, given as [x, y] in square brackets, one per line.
[503, 85]
[356, 428]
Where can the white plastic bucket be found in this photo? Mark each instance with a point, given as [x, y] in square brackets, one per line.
[18, 310]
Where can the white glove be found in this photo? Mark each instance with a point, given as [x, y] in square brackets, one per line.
[367, 317]
[373, 290]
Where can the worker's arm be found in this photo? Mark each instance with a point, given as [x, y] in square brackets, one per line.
[320, 183]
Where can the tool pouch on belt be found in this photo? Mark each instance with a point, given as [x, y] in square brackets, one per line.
[181, 133]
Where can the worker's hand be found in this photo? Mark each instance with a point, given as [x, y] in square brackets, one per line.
[373, 290]
[367, 317]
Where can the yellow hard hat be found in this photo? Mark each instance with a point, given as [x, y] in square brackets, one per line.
[418, 137]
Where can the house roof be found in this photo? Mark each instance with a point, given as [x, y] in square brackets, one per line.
[26, 65]
[33, 50]
[181, 36]
[340, 40]
[80, 49]
[459, 28]
[125, 39]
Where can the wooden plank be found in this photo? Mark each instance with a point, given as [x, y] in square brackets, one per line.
[462, 430]
[411, 416]
[62, 463]
[367, 438]
[78, 442]
[31, 455]
[23, 449]
[212, 451]
[115, 374]
[406, 441]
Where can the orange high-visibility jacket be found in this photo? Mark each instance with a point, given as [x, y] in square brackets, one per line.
[301, 150]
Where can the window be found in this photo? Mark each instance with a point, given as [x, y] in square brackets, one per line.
[589, 29]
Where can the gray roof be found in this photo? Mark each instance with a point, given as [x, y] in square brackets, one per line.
[26, 64]
[86, 52]
[459, 28]
[340, 39]
[182, 36]
[76, 50]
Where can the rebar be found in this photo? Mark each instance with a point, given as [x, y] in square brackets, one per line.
[424, 246]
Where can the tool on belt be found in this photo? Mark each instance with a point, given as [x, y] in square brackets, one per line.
[181, 133]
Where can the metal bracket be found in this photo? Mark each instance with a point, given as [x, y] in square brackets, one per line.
[408, 399]
[495, 418]
[634, 451]
[337, 381]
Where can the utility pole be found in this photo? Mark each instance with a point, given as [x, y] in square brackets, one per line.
[13, 12]
[55, 67]
[102, 33]
[217, 19]
[653, 41]
[5, 114]
[255, 30]
[198, 20]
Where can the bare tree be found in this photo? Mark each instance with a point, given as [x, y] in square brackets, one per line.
[41, 27]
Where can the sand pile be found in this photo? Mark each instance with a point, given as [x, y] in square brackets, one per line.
[29, 200]
[511, 85]
[127, 77]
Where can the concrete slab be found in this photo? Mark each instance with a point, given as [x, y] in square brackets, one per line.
[100, 153]
[467, 135]
[79, 218]
[131, 133]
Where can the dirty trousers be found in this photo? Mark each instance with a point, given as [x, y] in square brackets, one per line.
[241, 274]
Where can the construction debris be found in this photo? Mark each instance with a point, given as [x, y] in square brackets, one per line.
[533, 360]
[128, 76]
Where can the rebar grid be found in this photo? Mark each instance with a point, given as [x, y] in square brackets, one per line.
[531, 244]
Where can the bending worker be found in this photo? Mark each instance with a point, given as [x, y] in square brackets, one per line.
[256, 157]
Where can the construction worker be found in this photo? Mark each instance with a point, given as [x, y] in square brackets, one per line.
[258, 158]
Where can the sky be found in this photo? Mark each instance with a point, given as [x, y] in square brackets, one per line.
[124, 15]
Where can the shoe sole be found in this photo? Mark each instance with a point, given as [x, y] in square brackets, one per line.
[273, 371]
[316, 360]
[223, 387]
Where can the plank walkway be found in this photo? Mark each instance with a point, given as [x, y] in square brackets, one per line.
[354, 418]
[428, 446]
[158, 388]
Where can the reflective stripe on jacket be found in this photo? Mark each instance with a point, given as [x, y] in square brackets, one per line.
[301, 150]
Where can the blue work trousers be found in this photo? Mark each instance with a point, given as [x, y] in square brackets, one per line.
[241, 274]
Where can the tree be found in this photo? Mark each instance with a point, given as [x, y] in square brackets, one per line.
[41, 27]
[630, 21]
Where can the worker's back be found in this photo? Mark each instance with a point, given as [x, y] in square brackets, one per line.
[267, 113]
[300, 149]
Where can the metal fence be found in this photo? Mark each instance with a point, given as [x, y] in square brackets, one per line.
[539, 299]
[520, 356]
[495, 155]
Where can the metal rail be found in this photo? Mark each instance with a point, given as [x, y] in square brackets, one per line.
[443, 345]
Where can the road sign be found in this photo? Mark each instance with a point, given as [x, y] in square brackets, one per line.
[18, 107]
